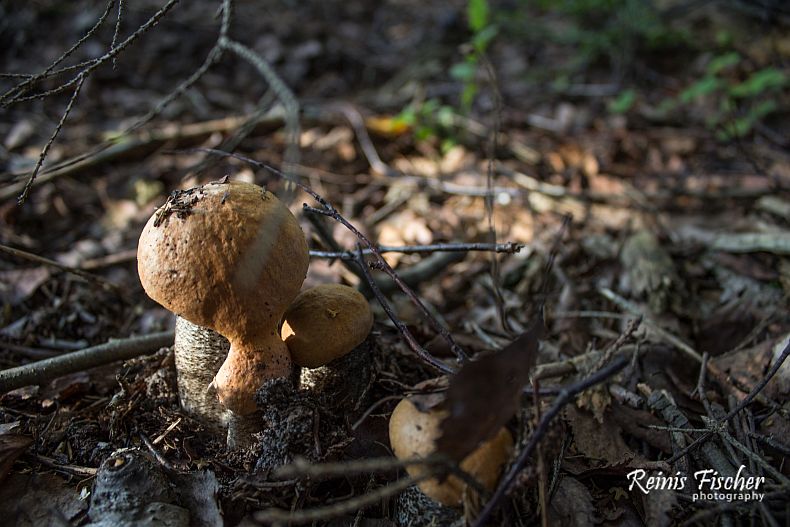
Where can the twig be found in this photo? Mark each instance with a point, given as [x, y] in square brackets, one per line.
[44, 151]
[492, 147]
[661, 332]
[735, 411]
[151, 22]
[407, 336]
[759, 387]
[73, 270]
[160, 458]
[89, 66]
[701, 384]
[509, 247]
[21, 87]
[271, 516]
[633, 325]
[382, 264]
[372, 407]
[565, 396]
[114, 350]
[286, 96]
[301, 468]
[358, 124]
[84, 472]
[117, 31]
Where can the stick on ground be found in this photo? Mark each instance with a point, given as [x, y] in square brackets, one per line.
[114, 350]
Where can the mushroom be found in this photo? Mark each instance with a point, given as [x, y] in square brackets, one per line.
[228, 256]
[413, 433]
[323, 329]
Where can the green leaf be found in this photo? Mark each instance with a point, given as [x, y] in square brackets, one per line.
[759, 82]
[723, 62]
[481, 40]
[704, 86]
[464, 71]
[624, 101]
[478, 13]
[468, 95]
[448, 144]
[445, 116]
[762, 109]
[407, 116]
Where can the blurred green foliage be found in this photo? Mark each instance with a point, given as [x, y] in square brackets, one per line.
[574, 41]
[740, 100]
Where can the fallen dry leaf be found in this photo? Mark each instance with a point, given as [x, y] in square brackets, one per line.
[601, 441]
[572, 505]
[11, 447]
[16, 285]
[484, 395]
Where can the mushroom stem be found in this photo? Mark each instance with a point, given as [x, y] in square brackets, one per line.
[241, 429]
[343, 382]
[199, 352]
[250, 363]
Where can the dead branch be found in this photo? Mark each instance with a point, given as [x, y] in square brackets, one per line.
[114, 350]
[277, 516]
[51, 263]
[404, 331]
[509, 247]
[735, 411]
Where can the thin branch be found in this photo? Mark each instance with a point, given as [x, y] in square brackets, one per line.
[117, 31]
[276, 516]
[114, 350]
[493, 144]
[45, 150]
[51, 263]
[278, 86]
[510, 248]
[407, 336]
[735, 411]
[21, 87]
[660, 331]
[565, 396]
[151, 22]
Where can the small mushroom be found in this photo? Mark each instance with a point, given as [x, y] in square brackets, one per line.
[229, 257]
[325, 328]
[324, 323]
[413, 434]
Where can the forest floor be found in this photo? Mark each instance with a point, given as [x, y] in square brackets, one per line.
[635, 161]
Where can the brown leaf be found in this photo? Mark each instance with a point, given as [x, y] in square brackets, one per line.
[484, 395]
[16, 285]
[11, 447]
[598, 441]
[572, 505]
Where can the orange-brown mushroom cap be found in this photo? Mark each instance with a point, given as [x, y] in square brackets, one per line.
[230, 257]
[413, 434]
[324, 323]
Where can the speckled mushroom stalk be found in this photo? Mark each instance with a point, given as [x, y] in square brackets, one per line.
[199, 352]
[229, 257]
[413, 434]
